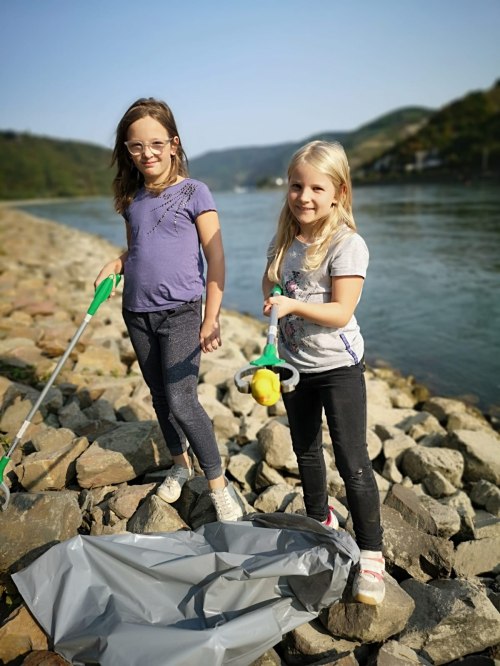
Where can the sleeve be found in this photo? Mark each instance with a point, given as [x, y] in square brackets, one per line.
[271, 249]
[203, 200]
[350, 257]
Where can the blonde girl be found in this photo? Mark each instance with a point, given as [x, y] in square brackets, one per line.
[320, 261]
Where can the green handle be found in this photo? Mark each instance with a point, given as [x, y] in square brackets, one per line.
[3, 464]
[103, 292]
[270, 356]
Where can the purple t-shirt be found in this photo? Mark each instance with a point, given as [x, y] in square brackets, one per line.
[164, 267]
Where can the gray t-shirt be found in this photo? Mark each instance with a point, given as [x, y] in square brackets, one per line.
[164, 267]
[308, 346]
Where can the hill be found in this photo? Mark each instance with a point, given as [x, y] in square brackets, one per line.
[35, 166]
[461, 140]
[261, 166]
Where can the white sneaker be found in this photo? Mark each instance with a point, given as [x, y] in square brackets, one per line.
[226, 503]
[368, 586]
[171, 488]
[331, 520]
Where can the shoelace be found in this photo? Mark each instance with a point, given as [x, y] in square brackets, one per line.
[222, 501]
[175, 475]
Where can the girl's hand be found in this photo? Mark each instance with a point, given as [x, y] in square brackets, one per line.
[111, 268]
[210, 339]
[285, 305]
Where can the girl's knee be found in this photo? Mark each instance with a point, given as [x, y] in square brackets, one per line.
[183, 406]
[361, 476]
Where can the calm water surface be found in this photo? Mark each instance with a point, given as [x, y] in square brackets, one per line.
[431, 302]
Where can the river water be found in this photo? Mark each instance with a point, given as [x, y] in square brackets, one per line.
[431, 302]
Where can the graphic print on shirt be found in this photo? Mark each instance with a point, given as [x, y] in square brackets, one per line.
[173, 202]
[292, 329]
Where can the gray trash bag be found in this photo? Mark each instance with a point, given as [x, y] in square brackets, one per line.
[220, 595]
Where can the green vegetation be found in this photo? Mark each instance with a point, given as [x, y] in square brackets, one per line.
[33, 167]
[460, 141]
[260, 167]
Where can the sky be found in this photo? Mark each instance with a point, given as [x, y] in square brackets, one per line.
[238, 72]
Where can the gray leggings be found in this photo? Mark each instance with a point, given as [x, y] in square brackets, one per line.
[167, 346]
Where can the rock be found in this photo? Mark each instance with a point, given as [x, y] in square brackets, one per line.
[484, 493]
[20, 634]
[481, 452]
[44, 658]
[40, 521]
[396, 445]
[477, 557]
[125, 501]
[266, 476]
[52, 439]
[419, 461]
[243, 466]
[305, 643]
[421, 424]
[442, 408]
[51, 470]
[431, 451]
[437, 485]
[101, 362]
[446, 518]
[452, 618]
[371, 624]
[462, 504]
[276, 446]
[123, 454]
[275, 498]
[407, 503]
[374, 444]
[14, 416]
[421, 555]
[155, 515]
[393, 653]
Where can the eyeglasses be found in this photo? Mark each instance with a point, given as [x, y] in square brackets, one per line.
[137, 148]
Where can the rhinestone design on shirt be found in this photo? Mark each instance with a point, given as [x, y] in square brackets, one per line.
[173, 201]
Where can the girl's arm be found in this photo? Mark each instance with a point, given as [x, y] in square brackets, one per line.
[346, 291]
[115, 266]
[210, 236]
[267, 285]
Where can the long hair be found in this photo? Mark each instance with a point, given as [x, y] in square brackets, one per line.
[331, 160]
[128, 179]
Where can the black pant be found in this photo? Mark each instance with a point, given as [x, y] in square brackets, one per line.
[342, 394]
[167, 346]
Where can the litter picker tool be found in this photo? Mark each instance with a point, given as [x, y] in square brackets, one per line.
[102, 293]
[267, 376]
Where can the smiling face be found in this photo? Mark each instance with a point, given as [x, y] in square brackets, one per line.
[311, 195]
[154, 168]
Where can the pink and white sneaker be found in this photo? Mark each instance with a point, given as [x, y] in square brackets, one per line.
[331, 520]
[368, 586]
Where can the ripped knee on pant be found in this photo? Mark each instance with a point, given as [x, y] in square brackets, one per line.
[362, 473]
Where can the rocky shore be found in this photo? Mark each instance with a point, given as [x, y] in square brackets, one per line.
[94, 455]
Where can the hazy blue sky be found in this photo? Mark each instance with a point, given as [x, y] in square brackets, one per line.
[235, 72]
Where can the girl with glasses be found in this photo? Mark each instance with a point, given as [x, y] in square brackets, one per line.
[171, 223]
[320, 262]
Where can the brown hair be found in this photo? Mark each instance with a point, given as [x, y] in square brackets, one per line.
[128, 179]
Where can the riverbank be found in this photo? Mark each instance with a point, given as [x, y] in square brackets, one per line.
[88, 462]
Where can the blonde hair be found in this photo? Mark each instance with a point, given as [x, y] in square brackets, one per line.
[128, 179]
[330, 159]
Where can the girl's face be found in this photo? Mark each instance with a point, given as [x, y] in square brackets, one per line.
[311, 195]
[154, 168]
